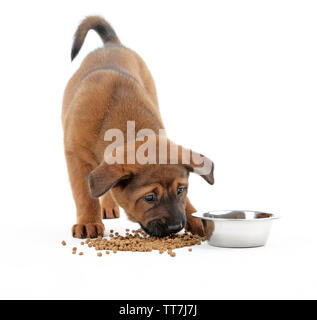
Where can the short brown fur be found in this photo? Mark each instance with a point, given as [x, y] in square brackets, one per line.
[113, 86]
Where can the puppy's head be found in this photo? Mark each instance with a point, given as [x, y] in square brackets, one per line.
[154, 195]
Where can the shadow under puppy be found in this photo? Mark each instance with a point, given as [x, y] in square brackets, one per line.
[111, 87]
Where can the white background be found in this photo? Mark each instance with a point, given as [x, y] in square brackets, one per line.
[236, 81]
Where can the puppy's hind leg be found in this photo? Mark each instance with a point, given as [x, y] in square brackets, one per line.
[109, 207]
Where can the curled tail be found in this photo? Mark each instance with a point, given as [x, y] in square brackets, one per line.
[100, 25]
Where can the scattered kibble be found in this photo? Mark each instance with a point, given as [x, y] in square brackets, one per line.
[139, 241]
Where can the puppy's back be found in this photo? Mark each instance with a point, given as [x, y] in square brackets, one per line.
[113, 56]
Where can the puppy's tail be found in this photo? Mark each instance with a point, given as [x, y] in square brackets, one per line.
[100, 25]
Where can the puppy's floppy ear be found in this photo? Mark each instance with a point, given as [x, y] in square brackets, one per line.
[103, 178]
[201, 165]
[192, 161]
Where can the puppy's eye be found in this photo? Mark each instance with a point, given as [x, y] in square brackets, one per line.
[180, 190]
[150, 198]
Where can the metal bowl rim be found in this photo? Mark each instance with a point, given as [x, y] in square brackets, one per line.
[199, 215]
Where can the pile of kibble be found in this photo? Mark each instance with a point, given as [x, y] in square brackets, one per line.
[138, 240]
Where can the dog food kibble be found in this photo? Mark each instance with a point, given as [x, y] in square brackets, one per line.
[139, 241]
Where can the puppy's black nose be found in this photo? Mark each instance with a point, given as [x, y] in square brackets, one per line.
[159, 228]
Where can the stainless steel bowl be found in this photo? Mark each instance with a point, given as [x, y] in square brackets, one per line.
[236, 229]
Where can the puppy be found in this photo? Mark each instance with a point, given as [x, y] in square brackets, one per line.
[111, 89]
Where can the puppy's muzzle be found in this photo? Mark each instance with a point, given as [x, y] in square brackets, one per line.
[175, 227]
[159, 228]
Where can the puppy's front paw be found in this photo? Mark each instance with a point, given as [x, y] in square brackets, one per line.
[88, 230]
[109, 208]
[110, 212]
[195, 226]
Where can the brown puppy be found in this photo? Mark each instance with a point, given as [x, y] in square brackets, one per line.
[111, 87]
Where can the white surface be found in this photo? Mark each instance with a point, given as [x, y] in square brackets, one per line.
[236, 81]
